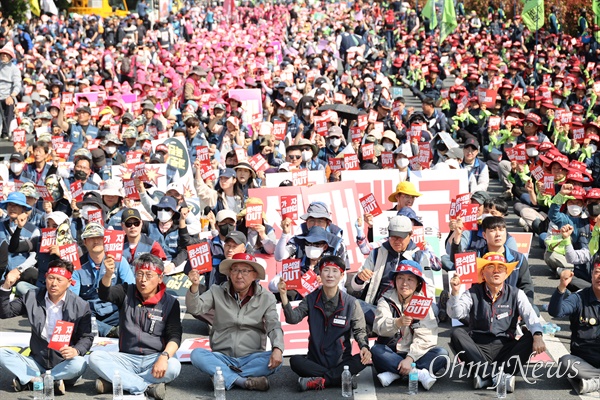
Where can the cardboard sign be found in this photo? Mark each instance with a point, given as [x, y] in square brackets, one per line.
[254, 215]
[494, 122]
[130, 189]
[48, 239]
[579, 134]
[487, 97]
[336, 164]
[308, 284]
[113, 243]
[200, 257]
[351, 162]
[362, 121]
[517, 154]
[19, 137]
[292, 273]
[465, 265]
[369, 205]
[207, 173]
[418, 237]
[356, 134]
[258, 163]
[68, 252]
[289, 207]
[300, 177]
[241, 154]
[418, 308]
[95, 216]
[387, 159]
[203, 155]
[566, 117]
[44, 193]
[368, 151]
[424, 155]
[469, 217]
[537, 172]
[77, 191]
[372, 118]
[63, 149]
[549, 184]
[279, 129]
[321, 126]
[61, 336]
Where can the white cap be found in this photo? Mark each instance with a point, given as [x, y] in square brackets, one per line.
[224, 214]
[57, 216]
[400, 225]
[176, 186]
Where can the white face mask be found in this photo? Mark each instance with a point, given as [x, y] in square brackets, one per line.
[307, 155]
[164, 216]
[402, 162]
[261, 54]
[306, 112]
[85, 211]
[287, 114]
[110, 150]
[388, 146]
[574, 210]
[532, 152]
[301, 86]
[336, 142]
[594, 148]
[452, 95]
[556, 102]
[313, 252]
[484, 216]
[16, 167]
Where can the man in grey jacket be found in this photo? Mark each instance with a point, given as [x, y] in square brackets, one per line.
[10, 86]
[245, 314]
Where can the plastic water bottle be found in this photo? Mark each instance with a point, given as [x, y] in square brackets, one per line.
[501, 385]
[94, 327]
[346, 382]
[117, 385]
[38, 387]
[413, 379]
[48, 386]
[219, 384]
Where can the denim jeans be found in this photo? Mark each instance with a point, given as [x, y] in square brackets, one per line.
[24, 368]
[135, 370]
[386, 360]
[255, 364]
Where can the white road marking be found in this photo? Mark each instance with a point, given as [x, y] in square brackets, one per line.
[366, 387]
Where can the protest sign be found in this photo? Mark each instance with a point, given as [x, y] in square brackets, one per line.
[113, 244]
[418, 307]
[77, 191]
[465, 265]
[254, 214]
[202, 155]
[308, 283]
[48, 239]
[292, 273]
[61, 336]
[300, 177]
[289, 207]
[279, 129]
[95, 216]
[200, 257]
[369, 205]
[68, 252]
[258, 163]
[368, 151]
[351, 162]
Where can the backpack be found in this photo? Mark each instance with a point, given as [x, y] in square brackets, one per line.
[126, 66]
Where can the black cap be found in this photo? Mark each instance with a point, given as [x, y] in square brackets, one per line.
[129, 213]
[17, 156]
[84, 109]
[385, 103]
[237, 237]
[472, 142]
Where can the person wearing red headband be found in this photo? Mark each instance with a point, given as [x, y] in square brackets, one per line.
[333, 316]
[149, 335]
[45, 307]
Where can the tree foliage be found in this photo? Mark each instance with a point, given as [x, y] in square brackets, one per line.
[15, 9]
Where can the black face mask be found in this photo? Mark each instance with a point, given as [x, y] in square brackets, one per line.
[80, 176]
[226, 229]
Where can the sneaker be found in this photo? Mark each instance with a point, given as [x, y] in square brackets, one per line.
[507, 195]
[113, 333]
[59, 388]
[16, 383]
[257, 383]
[482, 383]
[426, 379]
[523, 224]
[587, 386]
[103, 386]
[314, 383]
[443, 314]
[386, 378]
[157, 391]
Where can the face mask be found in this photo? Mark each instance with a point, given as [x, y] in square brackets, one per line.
[321, 98]
[336, 142]
[85, 211]
[164, 216]
[287, 114]
[306, 112]
[402, 162]
[16, 167]
[593, 147]
[354, 93]
[556, 102]
[313, 252]
[307, 155]
[261, 54]
[452, 95]
[574, 210]
[558, 84]
[111, 150]
[532, 152]
[226, 229]
[301, 86]
[484, 216]
[80, 175]
[388, 146]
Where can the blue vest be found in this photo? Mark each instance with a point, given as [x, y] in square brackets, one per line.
[168, 241]
[29, 231]
[493, 320]
[585, 337]
[77, 137]
[143, 246]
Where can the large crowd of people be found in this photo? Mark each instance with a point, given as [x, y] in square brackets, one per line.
[216, 100]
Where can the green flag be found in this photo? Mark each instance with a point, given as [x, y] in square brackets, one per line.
[533, 14]
[429, 13]
[449, 23]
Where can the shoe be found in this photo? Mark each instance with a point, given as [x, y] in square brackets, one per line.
[481, 383]
[257, 383]
[508, 196]
[16, 383]
[103, 386]
[157, 391]
[59, 388]
[523, 224]
[443, 314]
[314, 383]
[426, 379]
[113, 333]
[587, 386]
[386, 378]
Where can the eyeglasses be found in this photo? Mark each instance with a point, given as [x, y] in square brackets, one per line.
[293, 157]
[148, 275]
[244, 272]
[493, 267]
[528, 124]
[130, 223]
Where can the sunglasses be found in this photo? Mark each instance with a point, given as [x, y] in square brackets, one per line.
[294, 157]
[130, 223]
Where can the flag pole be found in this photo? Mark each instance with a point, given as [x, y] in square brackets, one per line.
[535, 61]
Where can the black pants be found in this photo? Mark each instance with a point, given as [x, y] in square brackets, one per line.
[498, 351]
[7, 117]
[306, 368]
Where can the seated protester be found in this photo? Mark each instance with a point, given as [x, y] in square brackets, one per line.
[112, 197]
[36, 216]
[580, 258]
[373, 277]
[16, 205]
[226, 194]
[92, 201]
[571, 197]
[82, 170]
[246, 177]
[403, 340]
[56, 187]
[39, 170]
[260, 236]
[16, 169]
[43, 308]
[582, 308]
[87, 278]
[136, 242]
[333, 317]
[492, 342]
[476, 168]
[164, 228]
[149, 332]
[245, 314]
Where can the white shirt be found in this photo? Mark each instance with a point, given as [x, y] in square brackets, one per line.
[54, 312]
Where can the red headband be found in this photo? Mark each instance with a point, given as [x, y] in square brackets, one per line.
[496, 257]
[409, 268]
[62, 272]
[332, 264]
[149, 267]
